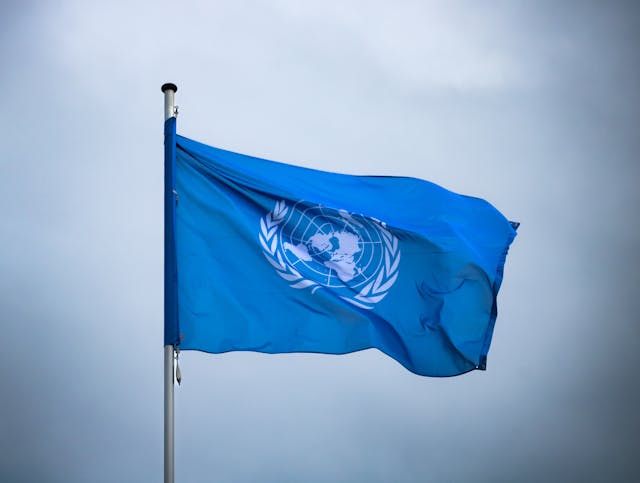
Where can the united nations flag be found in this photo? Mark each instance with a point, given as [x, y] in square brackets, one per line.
[276, 258]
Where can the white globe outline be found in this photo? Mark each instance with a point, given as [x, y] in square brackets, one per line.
[371, 294]
[338, 219]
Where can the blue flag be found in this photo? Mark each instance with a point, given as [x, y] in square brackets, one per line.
[277, 258]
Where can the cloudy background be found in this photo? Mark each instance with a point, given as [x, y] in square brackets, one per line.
[534, 107]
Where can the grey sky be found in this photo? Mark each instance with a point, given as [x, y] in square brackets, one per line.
[533, 106]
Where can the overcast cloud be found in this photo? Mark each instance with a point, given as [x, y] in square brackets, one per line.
[533, 106]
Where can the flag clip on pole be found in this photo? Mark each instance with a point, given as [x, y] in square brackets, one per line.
[170, 279]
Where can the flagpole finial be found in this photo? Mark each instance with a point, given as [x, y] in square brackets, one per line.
[169, 86]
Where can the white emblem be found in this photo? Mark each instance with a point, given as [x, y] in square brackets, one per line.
[313, 246]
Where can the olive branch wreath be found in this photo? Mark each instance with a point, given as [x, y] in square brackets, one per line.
[371, 294]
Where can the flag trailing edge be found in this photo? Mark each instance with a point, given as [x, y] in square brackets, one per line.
[276, 258]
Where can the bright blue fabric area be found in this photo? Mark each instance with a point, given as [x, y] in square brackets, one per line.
[437, 315]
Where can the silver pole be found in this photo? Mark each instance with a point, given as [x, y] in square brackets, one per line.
[168, 414]
[169, 100]
[169, 111]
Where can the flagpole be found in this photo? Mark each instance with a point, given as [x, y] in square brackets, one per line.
[169, 91]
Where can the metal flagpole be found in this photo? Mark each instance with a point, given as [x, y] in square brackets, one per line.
[169, 91]
[168, 414]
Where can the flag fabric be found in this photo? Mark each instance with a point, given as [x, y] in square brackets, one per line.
[276, 258]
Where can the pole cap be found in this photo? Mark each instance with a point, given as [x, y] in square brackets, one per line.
[169, 86]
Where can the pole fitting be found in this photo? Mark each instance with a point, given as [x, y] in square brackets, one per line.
[169, 86]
